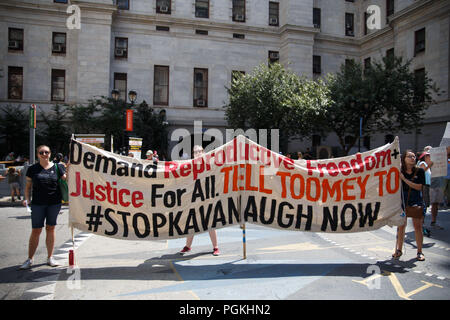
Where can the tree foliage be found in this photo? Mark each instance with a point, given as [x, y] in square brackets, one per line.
[14, 130]
[272, 97]
[55, 133]
[388, 96]
[107, 116]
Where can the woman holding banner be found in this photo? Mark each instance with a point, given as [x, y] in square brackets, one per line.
[413, 180]
[197, 152]
[42, 181]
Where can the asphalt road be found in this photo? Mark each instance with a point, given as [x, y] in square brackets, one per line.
[280, 265]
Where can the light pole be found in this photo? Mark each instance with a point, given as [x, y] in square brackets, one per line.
[115, 94]
[132, 95]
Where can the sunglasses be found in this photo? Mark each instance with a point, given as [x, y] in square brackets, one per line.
[44, 152]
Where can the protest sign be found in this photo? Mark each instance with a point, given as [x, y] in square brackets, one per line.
[97, 140]
[439, 158]
[241, 181]
[135, 147]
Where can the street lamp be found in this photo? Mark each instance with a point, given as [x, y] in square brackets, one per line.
[132, 95]
[115, 94]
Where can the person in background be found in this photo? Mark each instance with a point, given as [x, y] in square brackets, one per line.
[447, 181]
[413, 179]
[198, 151]
[155, 156]
[13, 181]
[59, 158]
[436, 198]
[425, 163]
[10, 157]
[43, 191]
[149, 155]
[299, 155]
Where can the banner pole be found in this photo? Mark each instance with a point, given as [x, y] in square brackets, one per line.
[244, 247]
[72, 252]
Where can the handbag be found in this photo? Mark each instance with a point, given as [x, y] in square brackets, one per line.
[415, 211]
[62, 185]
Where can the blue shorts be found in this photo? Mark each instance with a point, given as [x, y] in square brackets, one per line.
[41, 213]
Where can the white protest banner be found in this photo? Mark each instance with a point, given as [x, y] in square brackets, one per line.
[439, 157]
[129, 198]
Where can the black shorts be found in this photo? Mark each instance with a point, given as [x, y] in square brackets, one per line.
[41, 213]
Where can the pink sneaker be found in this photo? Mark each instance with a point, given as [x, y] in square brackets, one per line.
[185, 249]
[216, 252]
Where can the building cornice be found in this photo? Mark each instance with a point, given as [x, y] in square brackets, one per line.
[415, 7]
[57, 7]
[170, 21]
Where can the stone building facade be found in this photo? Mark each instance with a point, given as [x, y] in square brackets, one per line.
[179, 55]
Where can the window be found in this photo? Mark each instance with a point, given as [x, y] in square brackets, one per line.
[15, 82]
[317, 65]
[238, 36]
[121, 48]
[316, 17]
[163, 6]
[419, 41]
[390, 53]
[366, 17]
[239, 10]
[389, 7]
[316, 140]
[120, 83]
[419, 91]
[349, 24]
[15, 39]
[274, 13]
[349, 63]
[161, 85]
[366, 63]
[389, 61]
[200, 87]
[162, 28]
[60, 1]
[350, 0]
[58, 84]
[123, 4]
[274, 56]
[202, 8]
[201, 32]
[59, 42]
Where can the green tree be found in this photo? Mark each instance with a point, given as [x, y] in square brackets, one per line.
[14, 130]
[82, 117]
[56, 133]
[272, 97]
[152, 128]
[387, 96]
[105, 115]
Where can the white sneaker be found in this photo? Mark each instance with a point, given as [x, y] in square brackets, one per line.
[52, 262]
[27, 264]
